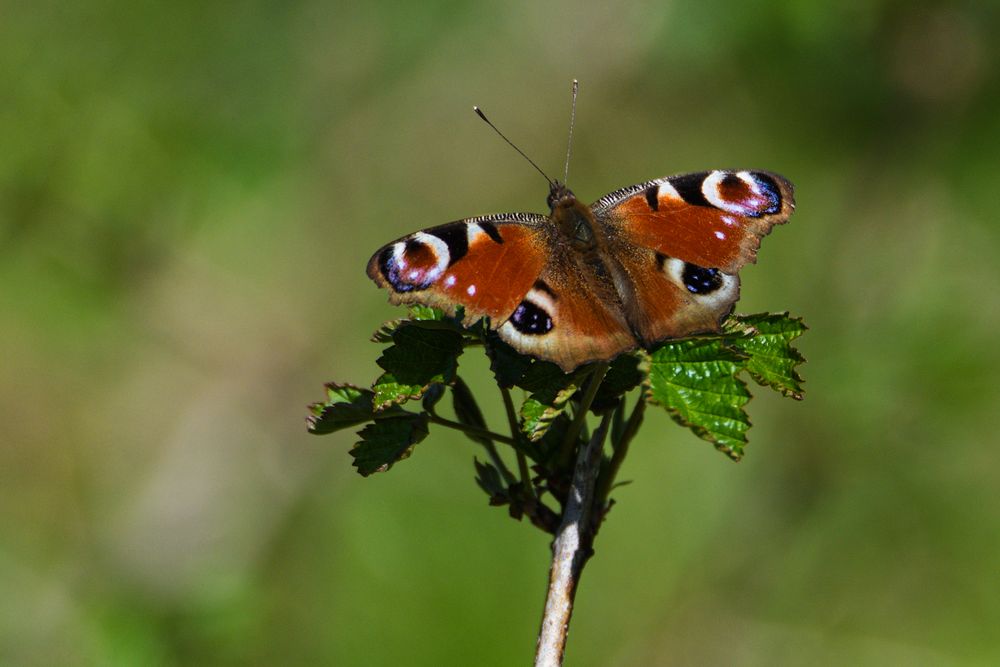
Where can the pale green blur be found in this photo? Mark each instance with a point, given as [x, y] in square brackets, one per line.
[189, 194]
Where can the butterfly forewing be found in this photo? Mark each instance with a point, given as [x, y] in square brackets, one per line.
[712, 219]
[484, 264]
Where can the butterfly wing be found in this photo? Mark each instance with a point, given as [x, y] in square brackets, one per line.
[668, 268]
[485, 265]
[712, 219]
[681, 241]
[513, 269]
[665, 297]
[571, 315]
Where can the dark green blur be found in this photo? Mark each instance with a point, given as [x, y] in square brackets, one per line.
[189, 193]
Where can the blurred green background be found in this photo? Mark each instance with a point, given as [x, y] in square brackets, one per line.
[189, 193]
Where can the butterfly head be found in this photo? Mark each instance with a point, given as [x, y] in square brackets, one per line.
[559, 196]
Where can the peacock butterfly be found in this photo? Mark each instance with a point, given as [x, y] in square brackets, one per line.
[584, 283]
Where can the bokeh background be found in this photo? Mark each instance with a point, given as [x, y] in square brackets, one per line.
[189, 193]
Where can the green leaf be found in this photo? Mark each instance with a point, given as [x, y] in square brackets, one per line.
[467, 410]
[419, 355]
[551, 390]
[420, 316]
[432, 396]
[508, 365]
[694, 379]
[426, 313]
[418, 358]
[489, 480]
[625, 373]
[345, 406]
[549, 445]
[388, 440]
[772, 359]
[390, 392]
[384, 333]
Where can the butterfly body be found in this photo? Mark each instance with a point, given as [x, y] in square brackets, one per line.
[653, 261]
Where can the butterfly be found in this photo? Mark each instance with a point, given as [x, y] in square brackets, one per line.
[642, 264]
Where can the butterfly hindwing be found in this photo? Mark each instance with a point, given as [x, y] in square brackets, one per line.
[485, 265]
[671, 298]
[571, 315]
[712, 219]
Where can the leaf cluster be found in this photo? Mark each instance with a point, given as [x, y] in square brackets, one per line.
[699, 381]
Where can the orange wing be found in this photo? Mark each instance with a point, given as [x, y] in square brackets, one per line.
[484, 264]
[571, 315]
[541, 296]
[671, 298]
[710, 219]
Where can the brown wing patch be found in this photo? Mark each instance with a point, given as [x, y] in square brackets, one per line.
[494, 277]
[701, 235]
[712, 219]
[570, 316]
[484, 265]
[672, 298]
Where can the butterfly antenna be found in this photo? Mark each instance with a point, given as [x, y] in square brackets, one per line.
[572, 122]
[530, 161]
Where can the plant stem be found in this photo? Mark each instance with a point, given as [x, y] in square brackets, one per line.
[472, 430]
[461, 392]
[580, 416]
[620, 451]
[498, 463]
[570, 550]
[515, 432]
